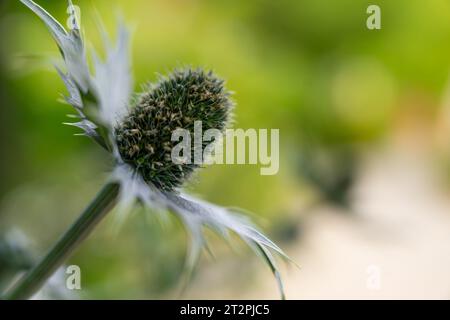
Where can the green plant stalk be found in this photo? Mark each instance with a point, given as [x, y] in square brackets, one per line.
[31, 282]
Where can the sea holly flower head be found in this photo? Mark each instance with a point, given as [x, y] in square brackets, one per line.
[137, 132]
[144, 136]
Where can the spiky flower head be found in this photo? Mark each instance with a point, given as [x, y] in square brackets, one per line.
[144, 137]
[138, 137]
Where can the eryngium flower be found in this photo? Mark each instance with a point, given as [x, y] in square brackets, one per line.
[144, 137]
[103, 101]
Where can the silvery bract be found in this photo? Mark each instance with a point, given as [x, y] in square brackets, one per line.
[102, 99]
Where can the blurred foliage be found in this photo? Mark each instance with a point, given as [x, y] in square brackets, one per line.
[310, 68]
[14, 256]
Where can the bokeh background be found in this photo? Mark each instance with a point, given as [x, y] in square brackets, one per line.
[362, 198]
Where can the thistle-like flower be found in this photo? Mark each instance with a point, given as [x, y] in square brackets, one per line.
[144, 137]
[137, 132]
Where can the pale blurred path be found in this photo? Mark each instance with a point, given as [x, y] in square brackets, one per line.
[400, 229]
[403, 231]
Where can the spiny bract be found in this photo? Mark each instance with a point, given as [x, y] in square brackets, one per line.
[176, 101]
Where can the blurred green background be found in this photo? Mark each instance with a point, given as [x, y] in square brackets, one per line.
[337, 91]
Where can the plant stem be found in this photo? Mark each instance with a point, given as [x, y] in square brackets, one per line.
[31, 282]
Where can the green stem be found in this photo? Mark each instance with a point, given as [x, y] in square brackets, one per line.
[31, 282]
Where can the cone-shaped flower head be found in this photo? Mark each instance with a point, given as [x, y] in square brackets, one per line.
[144, 137]
[139, 135]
